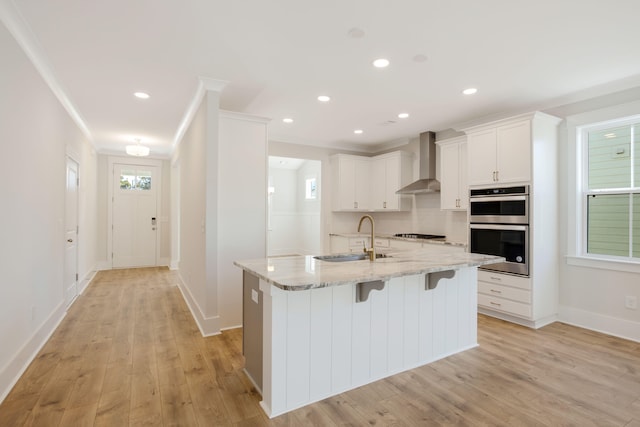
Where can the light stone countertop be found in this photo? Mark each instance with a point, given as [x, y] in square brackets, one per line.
[299, 273]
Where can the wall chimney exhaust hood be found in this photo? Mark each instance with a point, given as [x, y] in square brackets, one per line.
[427, 182]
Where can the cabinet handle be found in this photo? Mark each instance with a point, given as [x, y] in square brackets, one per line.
[495, 291]
[496, 304]
[495, 278]
[384, 205]
[355, 205]
[497, 175]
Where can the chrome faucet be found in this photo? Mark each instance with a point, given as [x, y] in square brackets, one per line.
[371, 251]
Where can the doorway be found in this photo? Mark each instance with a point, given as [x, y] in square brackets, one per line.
[71, 232]
[134, 219]
[294, 207]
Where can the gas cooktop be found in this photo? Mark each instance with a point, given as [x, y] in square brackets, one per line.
[419, 236]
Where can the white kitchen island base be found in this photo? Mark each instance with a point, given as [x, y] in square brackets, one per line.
[320, 342]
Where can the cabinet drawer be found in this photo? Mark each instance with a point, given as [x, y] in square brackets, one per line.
[504, 305]
[515, 294]
[504, 279]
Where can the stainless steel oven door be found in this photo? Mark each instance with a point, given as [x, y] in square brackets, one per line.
[512, 209]
[508, 241]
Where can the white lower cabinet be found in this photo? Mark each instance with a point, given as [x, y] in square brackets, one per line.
[505, 293]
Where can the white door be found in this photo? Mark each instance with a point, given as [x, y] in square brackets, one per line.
[71, 233]
[134, 215]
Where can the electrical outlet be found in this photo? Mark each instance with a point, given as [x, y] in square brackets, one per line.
[631, 302]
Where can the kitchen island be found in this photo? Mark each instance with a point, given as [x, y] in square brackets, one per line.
[314, 328]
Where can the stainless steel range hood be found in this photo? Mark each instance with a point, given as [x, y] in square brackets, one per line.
[427, 182]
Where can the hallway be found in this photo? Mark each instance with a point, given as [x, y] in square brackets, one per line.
[129, 353]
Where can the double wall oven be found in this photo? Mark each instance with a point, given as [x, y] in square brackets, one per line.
[499, 225]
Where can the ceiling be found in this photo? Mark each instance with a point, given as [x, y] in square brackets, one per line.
[277, 56]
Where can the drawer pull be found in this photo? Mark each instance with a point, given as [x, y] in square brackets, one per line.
[497, 304]
[495, 291]
[495, 278]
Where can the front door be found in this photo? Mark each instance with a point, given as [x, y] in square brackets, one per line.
[134, 215]
[71, 233]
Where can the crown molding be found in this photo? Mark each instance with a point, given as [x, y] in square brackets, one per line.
[26, 39]
[205, 84]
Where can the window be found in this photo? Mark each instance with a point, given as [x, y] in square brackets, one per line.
[135, 179]
[311, 189]
[611, 188]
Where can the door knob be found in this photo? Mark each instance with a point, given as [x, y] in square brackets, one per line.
[70, 240]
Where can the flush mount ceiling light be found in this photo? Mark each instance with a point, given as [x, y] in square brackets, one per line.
[287, 120]
[381, 63]
[137, 150]
[470, 91]
[358, 131]
[324, 98]
[141, 95]
[403, 115]
[356, 33]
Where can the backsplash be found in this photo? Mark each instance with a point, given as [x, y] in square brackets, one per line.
[424, 217]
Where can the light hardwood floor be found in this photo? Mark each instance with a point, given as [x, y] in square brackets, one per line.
[129, 353]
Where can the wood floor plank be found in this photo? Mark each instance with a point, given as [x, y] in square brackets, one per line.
[129, 353]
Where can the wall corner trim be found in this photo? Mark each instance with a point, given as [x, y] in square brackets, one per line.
[208, 326]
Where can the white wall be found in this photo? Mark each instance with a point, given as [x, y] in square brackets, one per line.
[36, 134]
[222, 161]
[295, 226]
[592, 294]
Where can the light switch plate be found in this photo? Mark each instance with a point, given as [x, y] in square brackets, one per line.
[254, 296]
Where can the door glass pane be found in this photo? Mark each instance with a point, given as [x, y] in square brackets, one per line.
[143, 181]
[127, 179]
[609, 158]
[608, 224]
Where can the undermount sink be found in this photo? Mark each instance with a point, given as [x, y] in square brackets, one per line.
[347, 257]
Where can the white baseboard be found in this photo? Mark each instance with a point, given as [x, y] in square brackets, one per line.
[164, 262]
[208, 326]
[600, 323]
[10, 374]
[173, 265]
[84, 283]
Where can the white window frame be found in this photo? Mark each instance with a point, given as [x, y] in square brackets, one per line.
[577, 163]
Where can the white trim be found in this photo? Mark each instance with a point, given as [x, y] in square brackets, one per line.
[18, 364]
[614, 326]
[18, 27]
[86, 280]
[603, 263]
[243, 116]
[518, 320]
[208, 326]
[205, 84]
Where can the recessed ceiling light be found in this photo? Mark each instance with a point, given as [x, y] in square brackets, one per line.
[470, 91]
[403, 115]
[420, 58]
[324, 98]
[358, 131]
[381, 63]
[141, 95]
[287, 120]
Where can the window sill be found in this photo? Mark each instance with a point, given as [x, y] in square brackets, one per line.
[603, 264]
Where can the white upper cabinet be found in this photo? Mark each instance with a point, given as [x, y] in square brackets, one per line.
[351, 187]
[500, 155]
[454, 190]
[370, 183]
[389, 173]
